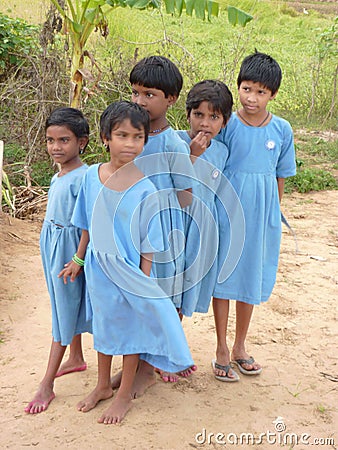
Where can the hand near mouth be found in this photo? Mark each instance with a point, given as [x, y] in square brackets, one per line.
[199, 144]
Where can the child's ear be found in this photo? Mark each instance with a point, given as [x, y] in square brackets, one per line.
[274, 95]
[172, 99]
[83, 141]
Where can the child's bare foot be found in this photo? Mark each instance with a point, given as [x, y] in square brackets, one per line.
[144, 379]
[94, 398]
[116, 380]
[167, 377]
[41, 401]
[187, 372]
[117, 410]
[70, 367]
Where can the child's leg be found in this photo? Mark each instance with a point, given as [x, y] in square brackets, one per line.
[144, 379]
[45, 394]
[243, 316]
[75, 362]
[103, 389]
[221, 315]
[123, 400]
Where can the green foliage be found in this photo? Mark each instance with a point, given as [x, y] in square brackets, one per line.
[311, 179]
[17, 39]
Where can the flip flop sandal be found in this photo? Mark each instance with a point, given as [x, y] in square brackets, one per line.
[239, 362]
[226, 369]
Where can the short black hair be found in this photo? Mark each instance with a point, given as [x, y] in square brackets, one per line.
[117, 112]
[216, 93]
[157, 72]
[71, 118]
[261, 68]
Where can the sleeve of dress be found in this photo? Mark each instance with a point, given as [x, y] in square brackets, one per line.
[181, 168]
[286, 165]
[79, 217]
[151, 234]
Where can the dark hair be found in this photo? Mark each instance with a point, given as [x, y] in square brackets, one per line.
[117, 112]
[261, 68]
[71, 118]
[157, 72]
[216, 93]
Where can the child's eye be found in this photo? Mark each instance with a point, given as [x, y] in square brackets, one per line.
[215, 117]
[64, 140]
[197, 114]
[49, 140]
[150, 95]
[134, 93]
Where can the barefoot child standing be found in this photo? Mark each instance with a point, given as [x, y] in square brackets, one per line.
[131, 314]
[67, 134]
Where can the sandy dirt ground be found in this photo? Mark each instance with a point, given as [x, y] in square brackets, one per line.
[292, 404]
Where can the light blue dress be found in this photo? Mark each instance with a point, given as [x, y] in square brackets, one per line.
[166, 160]
[257, 155]
[201, 229]
[131, 314]
[59, 241]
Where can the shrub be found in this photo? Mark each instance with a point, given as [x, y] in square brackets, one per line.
[17, 39]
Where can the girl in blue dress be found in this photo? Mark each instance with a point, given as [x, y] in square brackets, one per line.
[131, 314]
[67, 134]
[208, 105]
[156, 84]
[261, 156]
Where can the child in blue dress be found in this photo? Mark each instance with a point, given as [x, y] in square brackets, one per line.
[67, 134]
[156, 84]
[131, 315]
[261, 156]
[208, 106]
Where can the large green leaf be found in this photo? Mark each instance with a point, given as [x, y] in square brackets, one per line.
[238, 17]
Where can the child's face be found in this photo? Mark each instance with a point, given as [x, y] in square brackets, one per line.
[254, 97]
[62, 144]
[125, 143]
[152, 100]
[206, 121]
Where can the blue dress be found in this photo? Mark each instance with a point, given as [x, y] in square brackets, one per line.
[201, 229]
[130, 312]
[59, 240]
[257, 156]
[166, 161]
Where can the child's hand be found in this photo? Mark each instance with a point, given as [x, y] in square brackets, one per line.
[199, 144]
[71, 270]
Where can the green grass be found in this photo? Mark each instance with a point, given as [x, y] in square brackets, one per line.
[214, 50]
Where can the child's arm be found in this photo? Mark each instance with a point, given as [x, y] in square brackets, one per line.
[280, 184]
[72, 269]
[146, 262]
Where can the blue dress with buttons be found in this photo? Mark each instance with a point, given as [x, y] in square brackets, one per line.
[257, 157]
[201, 229]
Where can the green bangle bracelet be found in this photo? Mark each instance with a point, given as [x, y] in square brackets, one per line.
[77, 260]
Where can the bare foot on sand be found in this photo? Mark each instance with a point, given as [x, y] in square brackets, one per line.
[94, 398]
[117, 410]
[41, 401]
[187, 372]
[70, 367]
[167, 377]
